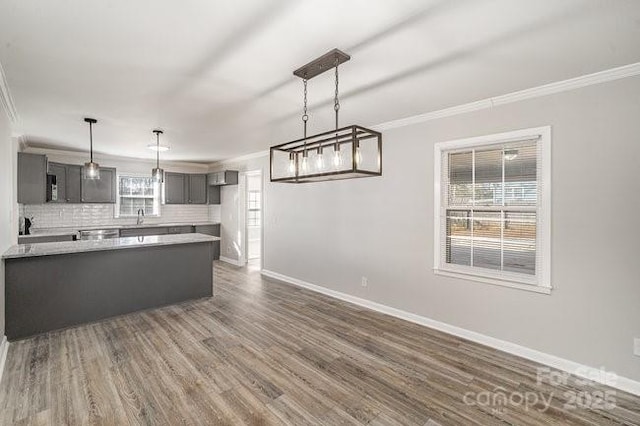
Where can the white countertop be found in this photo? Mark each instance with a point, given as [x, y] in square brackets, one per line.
[66, 247]
[70, 230]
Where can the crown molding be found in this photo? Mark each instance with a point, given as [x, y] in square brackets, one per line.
[534, 92]
[82, 156]
[5, 98]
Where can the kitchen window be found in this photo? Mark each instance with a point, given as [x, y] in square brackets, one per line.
[138, 192]
[492, 205]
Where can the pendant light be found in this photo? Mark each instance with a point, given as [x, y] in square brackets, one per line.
[91, 170]
[157, 173]
[357, 151]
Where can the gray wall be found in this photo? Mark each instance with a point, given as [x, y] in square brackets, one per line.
[8, 207]
[333, 233]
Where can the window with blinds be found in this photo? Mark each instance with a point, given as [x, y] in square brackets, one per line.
[490, 207]
[137, 192]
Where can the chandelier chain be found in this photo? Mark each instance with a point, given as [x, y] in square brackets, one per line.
[305, 116]
[336, 100]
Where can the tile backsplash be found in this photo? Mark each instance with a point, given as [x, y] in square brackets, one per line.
[91, 215]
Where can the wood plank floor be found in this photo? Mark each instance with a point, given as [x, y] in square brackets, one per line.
[263, 352]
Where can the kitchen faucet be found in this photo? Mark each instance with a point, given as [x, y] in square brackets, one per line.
[140, 217]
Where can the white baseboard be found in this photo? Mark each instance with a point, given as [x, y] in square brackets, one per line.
[591, 373]
[236, 262]
[4, 348]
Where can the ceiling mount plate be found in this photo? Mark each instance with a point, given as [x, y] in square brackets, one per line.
[322, 64]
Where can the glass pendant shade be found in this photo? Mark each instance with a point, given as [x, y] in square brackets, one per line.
[91, 170]
[157, 174]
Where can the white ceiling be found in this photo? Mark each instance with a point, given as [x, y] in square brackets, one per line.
[217, 75]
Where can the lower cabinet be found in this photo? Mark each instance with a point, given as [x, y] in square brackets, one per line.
[33, 239]
[213, 230]
[143, 232]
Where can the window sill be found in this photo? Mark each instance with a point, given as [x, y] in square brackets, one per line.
[494, 281]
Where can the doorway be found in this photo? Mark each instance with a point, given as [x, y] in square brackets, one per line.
[253, 217]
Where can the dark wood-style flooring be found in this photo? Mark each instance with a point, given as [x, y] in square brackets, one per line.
[263, 352]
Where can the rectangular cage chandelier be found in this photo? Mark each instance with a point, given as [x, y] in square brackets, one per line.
[342, 153]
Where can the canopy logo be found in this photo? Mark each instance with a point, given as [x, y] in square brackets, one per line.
[581, 393]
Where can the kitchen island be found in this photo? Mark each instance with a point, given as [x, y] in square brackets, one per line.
[49, 286]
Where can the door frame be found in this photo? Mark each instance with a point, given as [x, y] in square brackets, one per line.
[242, 214]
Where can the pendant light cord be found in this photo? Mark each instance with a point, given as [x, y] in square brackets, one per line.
[336, 100]
[336, 106]
[157, 150]
[91, 141]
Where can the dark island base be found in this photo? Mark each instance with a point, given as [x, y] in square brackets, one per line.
[51, 292]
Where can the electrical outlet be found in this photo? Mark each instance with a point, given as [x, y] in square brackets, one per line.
[365, 281]
[636, 346]
[228, 249]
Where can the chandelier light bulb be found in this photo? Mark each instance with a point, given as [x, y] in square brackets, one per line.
[320, 160]
[337, 157]
[292, 163]
[358, 156]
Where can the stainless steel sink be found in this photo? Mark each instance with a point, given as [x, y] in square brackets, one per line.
[99, 234]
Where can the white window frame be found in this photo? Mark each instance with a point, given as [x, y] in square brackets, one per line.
[541, 281]
[160, 196]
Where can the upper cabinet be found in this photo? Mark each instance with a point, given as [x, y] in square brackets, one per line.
[68, 183]
[214, 194]
[32, 178]
[174, 188]
[197, 189]
[69, 186]
[225, 177]
[182, 188]
[101, 190]
[56, 189]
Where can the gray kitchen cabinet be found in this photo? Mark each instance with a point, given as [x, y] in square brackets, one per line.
[197, 189]
[68, 183]
[34, 239]
[73, 182]
[143, 232]
[182, 188]
[210, 230]
[214, 194]
[184, 229]
[225, 177]
[32, 178]
[101, 190]
[175, 185]
[60, 194]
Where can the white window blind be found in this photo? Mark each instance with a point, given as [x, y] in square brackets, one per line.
[490, 204]
[138, 192]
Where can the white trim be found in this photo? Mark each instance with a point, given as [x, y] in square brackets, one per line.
[542, 282]
[236, 262]
[4, 348]
[6, 100]
[494, 281]
[581, 370]
[534, 92]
